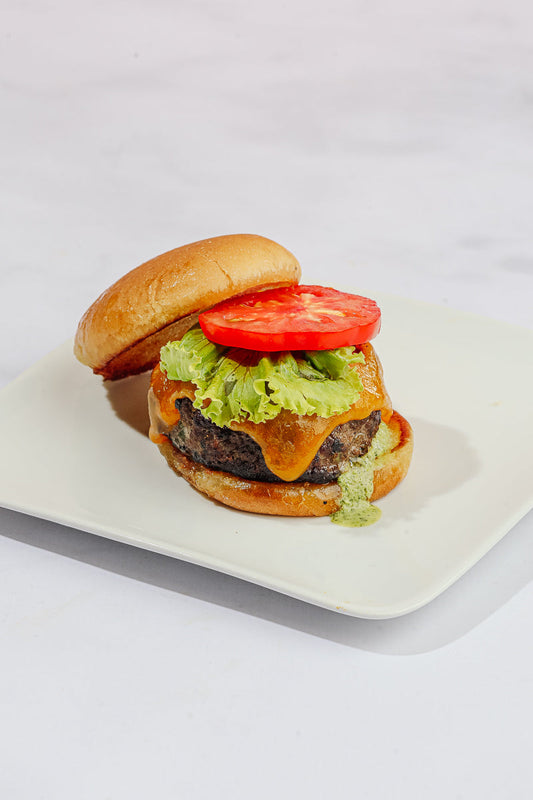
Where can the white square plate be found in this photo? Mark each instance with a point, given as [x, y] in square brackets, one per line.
[74, 450]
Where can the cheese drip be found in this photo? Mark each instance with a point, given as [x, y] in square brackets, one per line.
[288, 442]
[162, 397]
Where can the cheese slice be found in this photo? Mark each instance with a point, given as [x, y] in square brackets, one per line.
[289, 442]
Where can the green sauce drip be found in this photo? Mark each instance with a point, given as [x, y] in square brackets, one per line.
[357, 485]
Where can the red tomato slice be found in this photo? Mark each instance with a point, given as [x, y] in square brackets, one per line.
[292, 318]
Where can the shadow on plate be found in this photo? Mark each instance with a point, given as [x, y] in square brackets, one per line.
[430, 475]
[127, 398]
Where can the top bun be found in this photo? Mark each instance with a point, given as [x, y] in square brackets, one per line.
[124, 329]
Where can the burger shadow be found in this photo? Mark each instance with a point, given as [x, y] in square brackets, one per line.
[500, 575]
[127, 398]
[428, 476]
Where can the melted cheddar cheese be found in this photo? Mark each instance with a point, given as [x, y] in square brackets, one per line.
[288, 442]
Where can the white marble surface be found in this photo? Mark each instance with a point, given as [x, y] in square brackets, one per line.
[386, 143]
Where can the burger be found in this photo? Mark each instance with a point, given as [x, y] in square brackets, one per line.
[266, 395]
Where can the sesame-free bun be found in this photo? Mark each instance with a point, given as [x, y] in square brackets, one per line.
[293, 499]
[124, 329]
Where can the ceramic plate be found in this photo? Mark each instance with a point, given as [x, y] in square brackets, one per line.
[74, 450]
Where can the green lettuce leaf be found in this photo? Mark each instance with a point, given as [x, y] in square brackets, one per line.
[235, 385]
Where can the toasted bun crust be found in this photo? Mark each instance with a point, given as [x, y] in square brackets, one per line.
[293, 499]
[124, 329]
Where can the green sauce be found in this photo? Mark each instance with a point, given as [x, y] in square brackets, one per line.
[357, 516]
[357, 485]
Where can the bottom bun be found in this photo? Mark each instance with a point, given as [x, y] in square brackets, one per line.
[293, 499]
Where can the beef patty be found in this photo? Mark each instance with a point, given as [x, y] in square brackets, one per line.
[236, 452]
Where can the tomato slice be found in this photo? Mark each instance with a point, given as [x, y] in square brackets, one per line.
[292, 318]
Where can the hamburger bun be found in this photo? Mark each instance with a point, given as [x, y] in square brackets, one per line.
[124, 329]
[293, 499]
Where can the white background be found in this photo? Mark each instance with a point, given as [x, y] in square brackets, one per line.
[388, 143]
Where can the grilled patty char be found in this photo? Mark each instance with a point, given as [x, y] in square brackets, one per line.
[236, 452]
